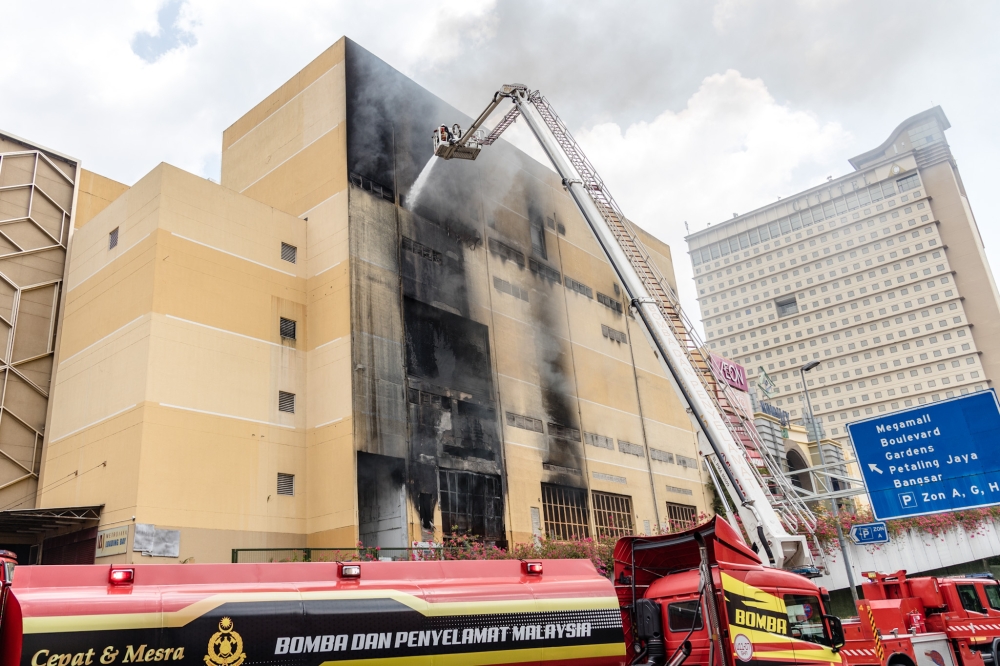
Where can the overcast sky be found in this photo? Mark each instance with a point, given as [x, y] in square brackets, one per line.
[691, 111]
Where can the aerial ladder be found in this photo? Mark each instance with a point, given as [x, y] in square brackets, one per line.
[767, 506]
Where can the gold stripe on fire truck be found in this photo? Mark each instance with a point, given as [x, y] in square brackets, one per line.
[179, 618]
[498, 656]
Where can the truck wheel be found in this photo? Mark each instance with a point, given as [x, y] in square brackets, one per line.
[900, 660]
[995, 652]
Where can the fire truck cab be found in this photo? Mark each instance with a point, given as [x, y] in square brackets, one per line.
[965, 609]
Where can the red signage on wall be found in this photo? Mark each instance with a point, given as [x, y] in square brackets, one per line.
[734, 374]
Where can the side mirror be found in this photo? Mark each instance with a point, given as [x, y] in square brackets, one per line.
[835, 631]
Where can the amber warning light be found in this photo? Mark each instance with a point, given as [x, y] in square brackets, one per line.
[121, 576]
[533, 568]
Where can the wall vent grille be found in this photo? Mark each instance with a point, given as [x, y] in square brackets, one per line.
[286, 402]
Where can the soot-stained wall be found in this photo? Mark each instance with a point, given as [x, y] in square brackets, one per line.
[425, 274]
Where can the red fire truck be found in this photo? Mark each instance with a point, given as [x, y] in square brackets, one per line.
[700, 596]
[951, 621]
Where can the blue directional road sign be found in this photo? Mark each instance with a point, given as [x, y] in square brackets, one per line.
[943, 456]
[869, 533]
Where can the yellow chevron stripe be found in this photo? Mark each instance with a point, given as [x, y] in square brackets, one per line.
[496, 657]
[761, 599]
[180, 618]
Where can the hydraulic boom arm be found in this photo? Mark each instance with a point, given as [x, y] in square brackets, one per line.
[729, 434]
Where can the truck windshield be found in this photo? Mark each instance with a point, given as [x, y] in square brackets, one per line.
[993, 596]
[970, 600]
[805, 620]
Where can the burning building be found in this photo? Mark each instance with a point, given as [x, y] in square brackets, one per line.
[349, 340]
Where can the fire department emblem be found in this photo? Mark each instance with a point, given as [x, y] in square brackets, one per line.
[225, 647]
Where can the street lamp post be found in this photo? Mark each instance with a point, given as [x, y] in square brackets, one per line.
[822, 461]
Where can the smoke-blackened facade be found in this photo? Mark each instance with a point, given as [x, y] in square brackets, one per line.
[479, 242]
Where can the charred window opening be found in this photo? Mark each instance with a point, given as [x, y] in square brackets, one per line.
[565, 511]
[543, 271]
[507, 288]
[369, 185]
[564, 432]
[600, 441]
[613, 335]
[381, 501]
[560, 469]
[421, 250]
[538, 239]
[609, 302]
[681, 516]
[631, 449]
[425, 398]
[447, 349]
[472, 505]
[612, 514]
[506, 252]
[579, 287]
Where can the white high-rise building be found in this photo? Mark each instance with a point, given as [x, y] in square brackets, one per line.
[879, 274]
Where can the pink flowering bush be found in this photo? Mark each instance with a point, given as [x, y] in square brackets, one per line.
[973, 521]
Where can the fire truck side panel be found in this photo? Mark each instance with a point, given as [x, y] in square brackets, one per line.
[306, 615]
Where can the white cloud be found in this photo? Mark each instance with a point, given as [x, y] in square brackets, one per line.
[732, 146]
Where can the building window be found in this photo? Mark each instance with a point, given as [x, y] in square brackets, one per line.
[289, 252]
[612, 514]
[599, 441]
[908, 183]
[113, 239]
[512, 289]
[286, 484]
[609, 302]
[421, 250]
[631, 449]
[472, 505]
[579, 287]
[286, 402]
[565, 512]
[524, 422]
[681, 517]
[786, 306]
[538, 239]
[287, 328]
[612, 334]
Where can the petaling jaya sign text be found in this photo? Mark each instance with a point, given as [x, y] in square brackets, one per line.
[734, 374]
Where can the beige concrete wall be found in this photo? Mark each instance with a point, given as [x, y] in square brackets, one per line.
[967, 255]
[290, 152]
[165, 404]
[96, 193]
